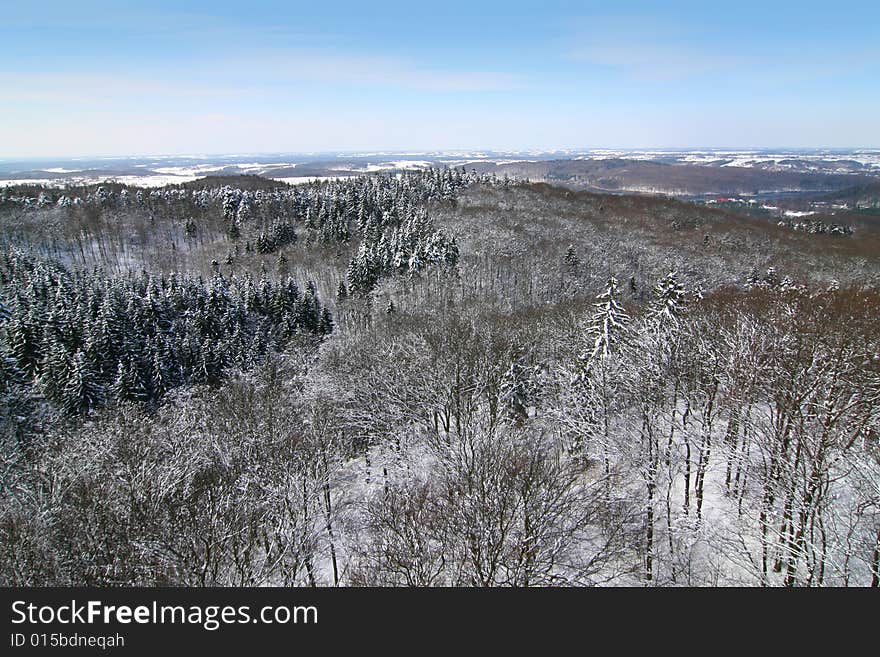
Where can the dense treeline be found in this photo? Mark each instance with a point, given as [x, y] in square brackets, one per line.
[375, 225]
[83, 339]
[816, 227]
[327, 212]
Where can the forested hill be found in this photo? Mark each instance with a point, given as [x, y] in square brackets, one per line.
[529, 229]
[621, 175]
[235, 382]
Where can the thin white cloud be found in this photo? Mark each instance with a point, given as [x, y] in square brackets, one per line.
[384, 74]
[649, 59]
[87, 89]
[270, 74]
[656, 62]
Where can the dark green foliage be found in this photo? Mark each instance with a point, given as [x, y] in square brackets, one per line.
[281, 234]
[407, 247]
[135, 337]
[572, 261]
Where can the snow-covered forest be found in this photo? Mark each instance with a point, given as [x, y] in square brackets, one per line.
[432, 378]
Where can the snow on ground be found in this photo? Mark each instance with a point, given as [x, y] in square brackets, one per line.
[31, 181]
[205, 169]
[263, 166]
[483, 161]
[188, 171]
[399, 164]
[142, 181]
[151, 181]
[299, 180]
[740, 158]
[162, 169]
[160, 179]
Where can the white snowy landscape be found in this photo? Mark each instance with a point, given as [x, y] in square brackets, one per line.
[412, 373]
[169, 170]
[457, 294]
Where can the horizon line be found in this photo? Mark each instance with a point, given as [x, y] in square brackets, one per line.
[366, 152]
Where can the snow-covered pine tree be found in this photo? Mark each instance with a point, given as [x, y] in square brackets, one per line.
[608, 324]
[594, 384]
[752, 280]
[516, 392]
[771, 278]
[82, 393]
[127, 384]
[571, 260]
[667, 304]
[325, 324]
[245, 211]
[24, 344]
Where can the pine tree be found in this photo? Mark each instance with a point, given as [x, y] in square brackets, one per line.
[159, 376]
[24, 345]
[325, 325]
[81, 392]
[571, 260]
[668, 303]
[752, 280]
[54, 371]
[608, 324]
[127, 385]
[516, 392]
[245, 210]
[5, 313]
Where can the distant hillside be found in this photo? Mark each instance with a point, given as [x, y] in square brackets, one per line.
[248, 182]
[861, 195]
[529, 228]
[621, 175]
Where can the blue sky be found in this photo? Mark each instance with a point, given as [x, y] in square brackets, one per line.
[122, 78]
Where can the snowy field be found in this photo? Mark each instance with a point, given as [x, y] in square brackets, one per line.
[157, 171]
